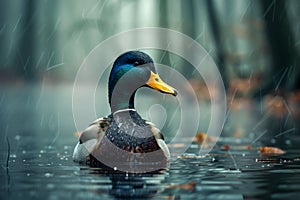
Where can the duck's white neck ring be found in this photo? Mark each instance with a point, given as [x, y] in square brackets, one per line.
[123, 110]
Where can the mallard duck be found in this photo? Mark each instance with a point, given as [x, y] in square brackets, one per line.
[123, 136]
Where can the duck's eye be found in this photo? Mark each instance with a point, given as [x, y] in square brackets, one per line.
[136, 63]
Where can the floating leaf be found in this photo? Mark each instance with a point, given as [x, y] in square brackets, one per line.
[225, 147]
[249, 147]
[186, 186]
[270, 150]
[204, 138]
[192, 156]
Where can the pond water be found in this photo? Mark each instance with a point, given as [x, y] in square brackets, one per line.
[38, 127]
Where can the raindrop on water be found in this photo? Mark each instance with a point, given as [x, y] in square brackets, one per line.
[273, 141]
[17, 137]
[50, 186]
[288, 142]
[48, 174]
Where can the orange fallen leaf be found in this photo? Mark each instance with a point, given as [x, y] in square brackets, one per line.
[176, 145]
[268, 160]
[189, 156]
[270, 150]
[225, 147]
[204, 138]
[186, 186]
[249, 147]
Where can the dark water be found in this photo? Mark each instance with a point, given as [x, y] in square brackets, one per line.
[37, 124]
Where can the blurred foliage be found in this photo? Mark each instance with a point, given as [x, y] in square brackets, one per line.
[250, 40]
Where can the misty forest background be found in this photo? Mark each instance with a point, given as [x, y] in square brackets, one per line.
[255, 44]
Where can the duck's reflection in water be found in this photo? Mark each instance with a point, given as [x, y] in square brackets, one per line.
[133, 185]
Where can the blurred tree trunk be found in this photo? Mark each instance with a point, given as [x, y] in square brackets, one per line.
[163, 22]
[26, 57]
[280, 36]
[188, 28]
[215, 27]
[2, 33]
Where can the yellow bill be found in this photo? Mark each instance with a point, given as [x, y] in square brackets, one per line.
[156, 83]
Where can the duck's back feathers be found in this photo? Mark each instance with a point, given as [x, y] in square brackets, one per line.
[89, 138]
[160, 139]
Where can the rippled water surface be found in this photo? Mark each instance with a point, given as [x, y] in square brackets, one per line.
[39, 130]
[50, 173]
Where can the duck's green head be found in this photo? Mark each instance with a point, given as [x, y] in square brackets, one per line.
[132, 70]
